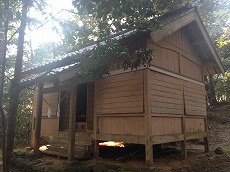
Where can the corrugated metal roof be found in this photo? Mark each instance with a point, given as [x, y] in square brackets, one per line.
[117, 36]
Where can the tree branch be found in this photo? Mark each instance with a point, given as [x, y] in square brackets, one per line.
[8, 41]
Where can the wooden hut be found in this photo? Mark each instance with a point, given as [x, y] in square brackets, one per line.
[161, 103]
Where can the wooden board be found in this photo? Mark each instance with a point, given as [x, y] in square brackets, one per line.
[121, 138]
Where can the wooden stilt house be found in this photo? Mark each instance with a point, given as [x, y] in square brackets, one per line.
[161, 103]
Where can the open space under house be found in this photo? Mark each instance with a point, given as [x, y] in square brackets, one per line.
[161, 103]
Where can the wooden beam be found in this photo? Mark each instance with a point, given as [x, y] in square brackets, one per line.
[122, 138]
[147, 120]
[198, 42]
[209, 42]
[64, 87]
[209, 64]
[195, 135]
[57, 88]
[167, 138]
[72, 122]
[157, 69]
[38, 119]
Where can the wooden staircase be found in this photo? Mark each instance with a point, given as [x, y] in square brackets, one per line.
[58, 145]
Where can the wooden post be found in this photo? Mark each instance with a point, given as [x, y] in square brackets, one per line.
[95, 127]
[38, 119]
[183, 142]
[72, 123]
[147, 121]
[206, 145]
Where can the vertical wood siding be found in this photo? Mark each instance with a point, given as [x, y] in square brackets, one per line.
[127, 125]
[166, 126]
[194, 125]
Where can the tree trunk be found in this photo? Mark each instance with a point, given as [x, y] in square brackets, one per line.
[210, 89]
[15, 89]
[2, 79]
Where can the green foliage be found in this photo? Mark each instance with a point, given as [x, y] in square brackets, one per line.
[114, 16]
[222, 87]
[23, 127]
[110, 53]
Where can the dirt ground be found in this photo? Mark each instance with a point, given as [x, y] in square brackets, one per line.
[219, 136]
[219, 129]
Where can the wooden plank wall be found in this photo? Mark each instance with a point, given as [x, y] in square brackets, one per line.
[120, 94]
[175, 53]
[166, 95]
[119, 104]
[167, 105]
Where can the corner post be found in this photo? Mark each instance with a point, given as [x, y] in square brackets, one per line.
[147, 120]
[38, 118]
[206, 145]
[183, 142]
[72, 123]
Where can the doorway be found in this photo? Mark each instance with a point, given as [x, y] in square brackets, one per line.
[81, 107]
[84, 108]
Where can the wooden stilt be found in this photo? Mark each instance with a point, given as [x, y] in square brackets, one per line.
[96, 149]
[206, 145]
[38, 119]
[72, 122]
[184, 149]
[148, 141]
